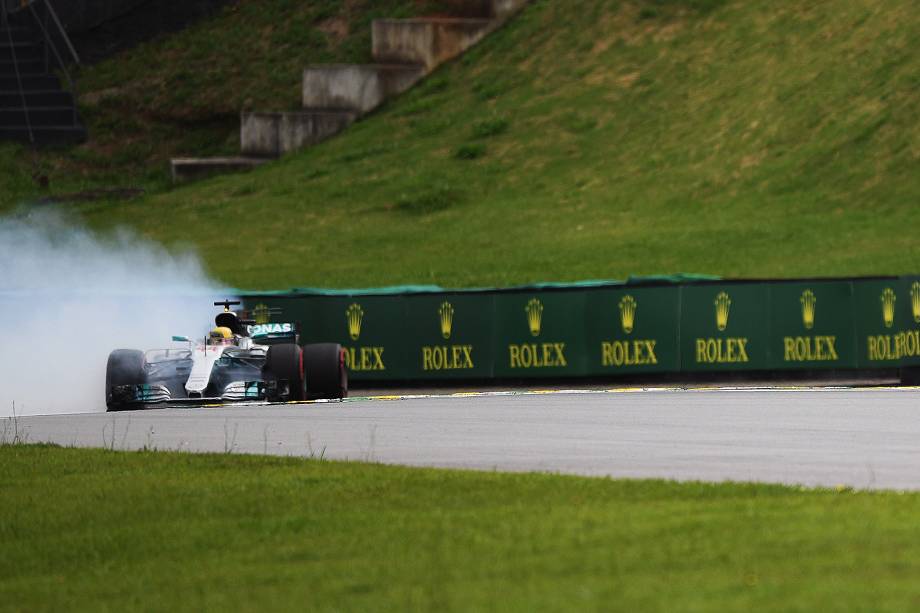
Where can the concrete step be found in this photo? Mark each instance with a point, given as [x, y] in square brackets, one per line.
[354, 87]
[39, 98]
[21, 51]
[29, 83]
[192, 169]
[274, 134]
[8, 67]
[45, 135]
[426, 41]
[38, 116]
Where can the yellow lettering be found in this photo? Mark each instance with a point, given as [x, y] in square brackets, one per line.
[650, 346]
[426, 358]
[514, 354]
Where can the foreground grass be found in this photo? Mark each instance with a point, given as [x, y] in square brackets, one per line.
[85, 529]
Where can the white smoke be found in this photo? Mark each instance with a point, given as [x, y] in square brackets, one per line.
[69, 296]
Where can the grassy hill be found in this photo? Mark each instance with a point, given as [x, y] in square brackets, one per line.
[181, 94]
[727, 137]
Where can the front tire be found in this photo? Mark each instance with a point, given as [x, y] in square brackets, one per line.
[324, 366]
[125, 367]
[285, 363]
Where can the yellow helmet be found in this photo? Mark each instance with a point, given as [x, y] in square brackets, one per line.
[221, 333]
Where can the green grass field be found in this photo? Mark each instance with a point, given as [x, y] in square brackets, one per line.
[101, 530]
[625, 137]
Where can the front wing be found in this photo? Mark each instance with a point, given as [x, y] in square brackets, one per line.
[153, 394]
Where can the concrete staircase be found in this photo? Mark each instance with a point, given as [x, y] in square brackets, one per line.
[336, 95]
[33, 106]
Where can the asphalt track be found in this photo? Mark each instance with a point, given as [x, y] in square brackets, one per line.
[864, 438]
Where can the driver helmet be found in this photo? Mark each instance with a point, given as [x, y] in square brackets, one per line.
[221, 335]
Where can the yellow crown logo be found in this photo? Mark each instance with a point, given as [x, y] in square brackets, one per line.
[888, 299]
[261, 314]
[915, 300]
[723, 304]
[446, 311]
[627, 313]
[534, 310]
[354, 315]
[808, 301]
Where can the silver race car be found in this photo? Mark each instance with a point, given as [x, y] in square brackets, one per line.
[239, 360]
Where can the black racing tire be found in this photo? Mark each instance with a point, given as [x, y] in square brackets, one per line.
[324, 366]
[124, 367]
[285, 363]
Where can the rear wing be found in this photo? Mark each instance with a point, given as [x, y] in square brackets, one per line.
[274, 333]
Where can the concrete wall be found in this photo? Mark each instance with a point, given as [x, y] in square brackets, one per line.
[274, 134]
[427, 42]
[356, 87]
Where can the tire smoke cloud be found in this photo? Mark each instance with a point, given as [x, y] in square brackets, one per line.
[69, 296]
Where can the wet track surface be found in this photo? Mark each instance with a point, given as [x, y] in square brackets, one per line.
[865, 438]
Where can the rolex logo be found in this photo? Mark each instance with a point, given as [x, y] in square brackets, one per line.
[723, 304]
[534, 310]
[915, 300]
[446, 313]
[627, 313]
[808, 301]
[261, 314]
[354, 315]
[888, 299]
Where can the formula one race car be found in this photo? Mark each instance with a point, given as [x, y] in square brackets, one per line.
[238, 361]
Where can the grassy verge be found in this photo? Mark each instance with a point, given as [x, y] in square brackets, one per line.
[85, 529]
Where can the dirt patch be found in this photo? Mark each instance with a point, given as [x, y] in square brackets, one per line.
[89, 195]
[336, 28]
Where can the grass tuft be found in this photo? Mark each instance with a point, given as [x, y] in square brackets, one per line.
[470, 151]
[430, 199]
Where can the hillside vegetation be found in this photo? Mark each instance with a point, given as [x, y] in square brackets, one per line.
[181, 94]
[619, 137]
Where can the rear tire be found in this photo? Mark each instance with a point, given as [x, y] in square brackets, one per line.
[125, 367]
[324, 366]
[285, 363]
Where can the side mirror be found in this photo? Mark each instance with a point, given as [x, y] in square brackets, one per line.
[181, 339]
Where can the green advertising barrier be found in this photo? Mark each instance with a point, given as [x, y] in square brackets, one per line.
[449, 336]
[539, 334]
[372, 329]
[878, 319]
[811, 325]
[605, 329]
[632, 330]
[909, 314]
[724, 327]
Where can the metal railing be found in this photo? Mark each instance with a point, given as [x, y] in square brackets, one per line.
[44, 16]
[22, 91]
